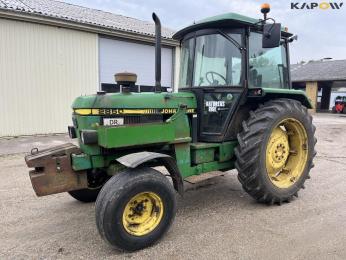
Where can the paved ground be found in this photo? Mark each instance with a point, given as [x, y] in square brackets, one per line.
[215, 221]
[23, 144]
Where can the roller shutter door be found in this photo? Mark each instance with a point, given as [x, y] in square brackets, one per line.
[119, 56]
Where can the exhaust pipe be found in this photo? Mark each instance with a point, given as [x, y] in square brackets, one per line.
[157, 53]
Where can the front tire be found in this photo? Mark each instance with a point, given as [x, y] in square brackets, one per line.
[135, 208]
[275, 151]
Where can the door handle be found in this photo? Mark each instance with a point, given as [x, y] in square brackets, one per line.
[223, 108]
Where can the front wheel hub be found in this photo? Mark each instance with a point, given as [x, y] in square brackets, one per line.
[143, 213]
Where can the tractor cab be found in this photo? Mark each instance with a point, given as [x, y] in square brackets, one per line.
[224, 59]
[340, 105]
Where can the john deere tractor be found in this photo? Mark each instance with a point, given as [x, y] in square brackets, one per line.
[234, 108]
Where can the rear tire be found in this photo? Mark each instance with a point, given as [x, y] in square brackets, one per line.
[333, 110]
[135, 208]
[85, 195]
[344, 110]
[281, 118]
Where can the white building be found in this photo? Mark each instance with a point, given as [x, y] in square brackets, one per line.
[52, 52]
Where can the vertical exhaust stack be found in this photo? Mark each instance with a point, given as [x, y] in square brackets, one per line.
[157, 53]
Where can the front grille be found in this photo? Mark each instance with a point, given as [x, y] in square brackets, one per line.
[142, 119]
[139, 119]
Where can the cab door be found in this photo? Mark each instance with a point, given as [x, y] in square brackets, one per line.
[218, 80]
[218, 106]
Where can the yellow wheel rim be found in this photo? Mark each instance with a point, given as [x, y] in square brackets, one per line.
[143, 213]
[286, 153]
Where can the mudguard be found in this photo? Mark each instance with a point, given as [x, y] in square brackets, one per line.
[265, 94]
[135, 159]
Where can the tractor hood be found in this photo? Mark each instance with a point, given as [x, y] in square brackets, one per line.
[133, 103]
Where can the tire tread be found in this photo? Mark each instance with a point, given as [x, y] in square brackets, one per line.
[248, 150]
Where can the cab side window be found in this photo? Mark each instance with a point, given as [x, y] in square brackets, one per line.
[267, 67]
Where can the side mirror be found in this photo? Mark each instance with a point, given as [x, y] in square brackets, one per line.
[271, 35]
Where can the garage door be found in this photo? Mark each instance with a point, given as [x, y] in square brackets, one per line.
[119, 56]
[42, 70]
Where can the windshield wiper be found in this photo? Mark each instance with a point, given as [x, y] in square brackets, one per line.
[233, 41]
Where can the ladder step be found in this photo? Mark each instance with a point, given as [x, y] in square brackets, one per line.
[204, 176]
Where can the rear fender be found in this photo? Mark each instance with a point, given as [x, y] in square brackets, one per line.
[136, 159]
[265, 94]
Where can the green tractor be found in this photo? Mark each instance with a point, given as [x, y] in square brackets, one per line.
[235, 109]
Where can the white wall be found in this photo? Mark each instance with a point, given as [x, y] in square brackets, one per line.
[120, 56]
[42, 69]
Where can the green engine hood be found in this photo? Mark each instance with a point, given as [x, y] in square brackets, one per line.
[133, 103]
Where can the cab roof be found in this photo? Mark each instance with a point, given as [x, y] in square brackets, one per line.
[222, 20]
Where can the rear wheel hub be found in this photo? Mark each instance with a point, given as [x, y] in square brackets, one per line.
[286, 153]
[278, 148]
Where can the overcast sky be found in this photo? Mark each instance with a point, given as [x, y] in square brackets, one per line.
[321, 33]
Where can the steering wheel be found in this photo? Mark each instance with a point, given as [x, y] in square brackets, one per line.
[212, 73]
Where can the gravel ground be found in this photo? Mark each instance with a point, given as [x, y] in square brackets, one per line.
[217, 220]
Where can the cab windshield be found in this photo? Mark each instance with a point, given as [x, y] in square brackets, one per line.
[211, 60]
[340, 99]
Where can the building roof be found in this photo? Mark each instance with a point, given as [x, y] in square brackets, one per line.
[326, 70]
[82, 15]
[222, 19]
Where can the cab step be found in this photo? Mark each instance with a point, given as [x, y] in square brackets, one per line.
[203, 177]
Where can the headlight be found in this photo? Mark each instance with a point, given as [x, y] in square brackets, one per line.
[72, 132]
[89, 137]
